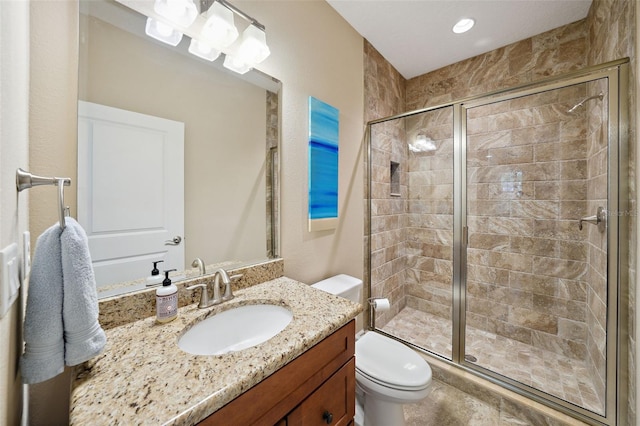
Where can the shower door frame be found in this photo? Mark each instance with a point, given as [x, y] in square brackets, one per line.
[617, 75]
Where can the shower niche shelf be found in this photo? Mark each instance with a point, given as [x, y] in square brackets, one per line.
[394, 179]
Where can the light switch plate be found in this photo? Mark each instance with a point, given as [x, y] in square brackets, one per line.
[26, 254]
[9, 277]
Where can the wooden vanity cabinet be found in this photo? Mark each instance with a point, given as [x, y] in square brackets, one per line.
[317, 388]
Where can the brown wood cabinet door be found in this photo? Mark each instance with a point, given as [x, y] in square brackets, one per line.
[268, 401]
[333, 403]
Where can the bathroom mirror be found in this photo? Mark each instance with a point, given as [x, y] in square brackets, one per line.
[230, 145]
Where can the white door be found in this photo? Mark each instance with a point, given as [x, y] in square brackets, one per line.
[130, 191]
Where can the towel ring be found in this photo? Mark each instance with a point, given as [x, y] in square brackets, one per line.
[26, 180]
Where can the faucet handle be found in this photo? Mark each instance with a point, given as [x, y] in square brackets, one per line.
[204, 295]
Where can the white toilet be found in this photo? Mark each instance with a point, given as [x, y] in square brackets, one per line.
[388, 373]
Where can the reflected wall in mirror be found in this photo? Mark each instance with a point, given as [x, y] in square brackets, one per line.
[230, 147]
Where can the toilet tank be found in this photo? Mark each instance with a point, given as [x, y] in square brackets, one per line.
[342, 285]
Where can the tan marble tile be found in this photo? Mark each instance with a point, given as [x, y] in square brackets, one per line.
[448, 406]
[549, 371]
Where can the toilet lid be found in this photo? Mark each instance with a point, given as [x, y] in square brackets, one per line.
[390, 363]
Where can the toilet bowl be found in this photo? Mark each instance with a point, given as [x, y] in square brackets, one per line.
[388, 373]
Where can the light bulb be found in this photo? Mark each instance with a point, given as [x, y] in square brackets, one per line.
[203, 50]
[234, 64]
[219, 30]
[164, 29]
[253, 48]
[181, 12]
[162, 32]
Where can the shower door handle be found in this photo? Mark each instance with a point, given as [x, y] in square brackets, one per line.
[599, 219]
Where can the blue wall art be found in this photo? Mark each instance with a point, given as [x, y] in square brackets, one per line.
[323, 165]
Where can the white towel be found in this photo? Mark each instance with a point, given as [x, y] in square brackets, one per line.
[43, 356]
[61, 323]
[83, 336]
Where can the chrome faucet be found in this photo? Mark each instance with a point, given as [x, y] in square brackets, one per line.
[198, 263]
[219, 275]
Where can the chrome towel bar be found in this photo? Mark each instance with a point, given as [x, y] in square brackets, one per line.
[26, 180]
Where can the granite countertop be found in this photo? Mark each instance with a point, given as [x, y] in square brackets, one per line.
[142, 377]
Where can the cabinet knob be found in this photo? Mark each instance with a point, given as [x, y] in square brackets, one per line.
[327, 417]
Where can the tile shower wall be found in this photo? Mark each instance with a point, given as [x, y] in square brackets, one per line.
[526, 188]
[384, 96]
[272, 183]
[608, 33]
[492, 263]
[551, 53]
[429, 276]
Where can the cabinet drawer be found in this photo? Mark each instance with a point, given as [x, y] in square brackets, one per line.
[333, 403]
[274, 397]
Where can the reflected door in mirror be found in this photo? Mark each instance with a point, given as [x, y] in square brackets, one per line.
[130, 191]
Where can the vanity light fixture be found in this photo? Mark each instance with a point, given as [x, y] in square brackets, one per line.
[218, 33]
[162, 32]
[463, 25]
[181, 12]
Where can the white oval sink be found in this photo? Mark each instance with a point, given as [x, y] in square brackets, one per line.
[235, 329]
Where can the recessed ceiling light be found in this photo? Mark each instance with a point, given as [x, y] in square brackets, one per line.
[463, 25]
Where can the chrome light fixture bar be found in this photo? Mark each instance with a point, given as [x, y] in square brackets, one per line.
[213, 33]
[207, 3]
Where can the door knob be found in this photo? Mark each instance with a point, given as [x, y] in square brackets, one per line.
[174, 242]
[327, 417]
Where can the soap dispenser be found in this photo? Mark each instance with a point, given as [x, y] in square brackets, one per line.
[155, 278]
[167, 300]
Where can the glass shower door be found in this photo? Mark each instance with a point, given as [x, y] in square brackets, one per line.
[412, 227]
[536, 258]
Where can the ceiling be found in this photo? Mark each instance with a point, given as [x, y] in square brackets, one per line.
[415, 36]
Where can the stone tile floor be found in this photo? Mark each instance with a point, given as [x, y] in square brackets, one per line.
[558, 375]
[448, 406]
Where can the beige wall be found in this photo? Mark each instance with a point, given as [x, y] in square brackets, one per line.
[310, 60]
[314, 53]
[52, 125]
[53, 105]
[14, 110]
